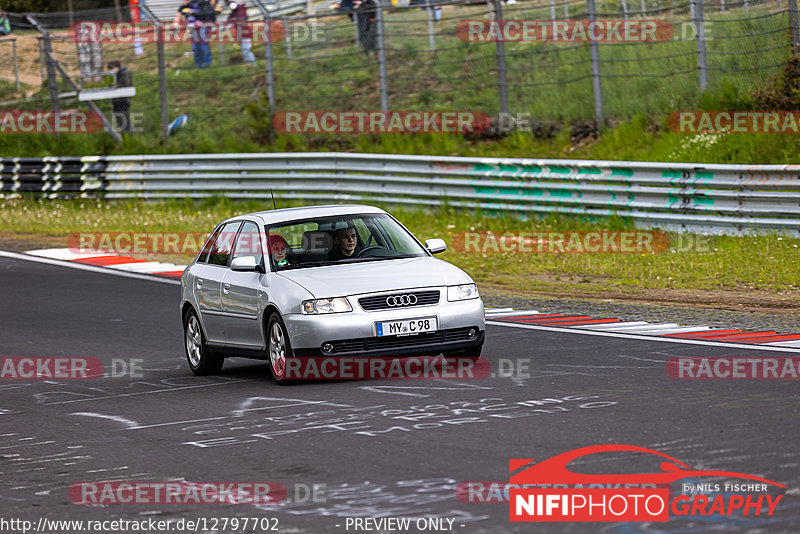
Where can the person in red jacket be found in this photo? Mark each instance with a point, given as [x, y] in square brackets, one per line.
[243, 31]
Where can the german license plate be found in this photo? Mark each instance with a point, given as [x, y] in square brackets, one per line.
[405, 327]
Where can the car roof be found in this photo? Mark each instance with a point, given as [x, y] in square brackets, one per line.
[291, 214]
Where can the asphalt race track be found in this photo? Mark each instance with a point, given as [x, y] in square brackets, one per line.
[384, 448]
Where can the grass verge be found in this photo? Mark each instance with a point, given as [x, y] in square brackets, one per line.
[751, 272]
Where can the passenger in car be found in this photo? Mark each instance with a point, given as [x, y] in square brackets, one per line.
[344, 243]
[279, 249]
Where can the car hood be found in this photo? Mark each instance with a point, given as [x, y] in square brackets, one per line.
[374, 276]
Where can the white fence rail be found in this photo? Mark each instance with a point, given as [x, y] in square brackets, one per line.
[695, 197]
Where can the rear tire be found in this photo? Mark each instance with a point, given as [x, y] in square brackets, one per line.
[279, 349]
[201, 360]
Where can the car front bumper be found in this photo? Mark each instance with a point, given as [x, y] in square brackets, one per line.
[353, 333]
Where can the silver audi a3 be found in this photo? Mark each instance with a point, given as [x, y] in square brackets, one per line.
[326, 281]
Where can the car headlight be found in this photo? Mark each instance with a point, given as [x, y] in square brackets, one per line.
[462, 292]
[318, 306]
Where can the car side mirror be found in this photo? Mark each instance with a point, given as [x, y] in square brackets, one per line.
[435, 246]
[245, 263]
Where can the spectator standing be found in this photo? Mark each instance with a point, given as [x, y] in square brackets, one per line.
[365, 13]
[122, 106]
[5, 25]
[244, 34]
[194, 13]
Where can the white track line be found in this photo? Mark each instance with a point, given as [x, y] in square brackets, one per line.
[644, 337]
[66, 255]
[611, 326]
[514, 314]
[82, 267]
[795, 343]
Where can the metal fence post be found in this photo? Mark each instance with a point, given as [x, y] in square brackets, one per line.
[52, 81]
[288, 37]
[381, 57]
[624, 10]
[16, 63]
[270, 69]
[597, 85]
[702, 57]
[644, 8]
[794, 28]
[566, 9]
[502, 82]
[162, 81]
[429, 9]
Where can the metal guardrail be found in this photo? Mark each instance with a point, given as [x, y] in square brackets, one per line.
[695, 197]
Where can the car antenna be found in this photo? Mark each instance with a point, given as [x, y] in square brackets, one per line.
[273, 199]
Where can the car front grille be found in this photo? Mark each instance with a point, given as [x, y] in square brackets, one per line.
[399, 300]
[396, 342]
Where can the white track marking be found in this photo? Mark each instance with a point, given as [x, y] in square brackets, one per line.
[795, 343]
[147, 267]
[144, 392]
[679, 330]
[127, 422]
[66, 255]
[514, 314]
[643, 328]
[82, 267]
[644, 337]
[611, 326]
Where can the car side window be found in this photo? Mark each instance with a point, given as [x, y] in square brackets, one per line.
[220, 251]
[208, 245]
[248, 242]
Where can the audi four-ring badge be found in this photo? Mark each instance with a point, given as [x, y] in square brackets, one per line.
[325, 281]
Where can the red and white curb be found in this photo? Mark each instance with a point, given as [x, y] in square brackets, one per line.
[603, 326]
[112, 261]
[766, 338]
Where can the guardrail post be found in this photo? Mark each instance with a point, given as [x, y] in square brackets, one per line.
[597, 82]
[381, 56]
[162, 80]
[794, 27]
[502, 82]
[702, 57]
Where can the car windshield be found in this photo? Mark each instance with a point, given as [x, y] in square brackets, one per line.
[340, 239]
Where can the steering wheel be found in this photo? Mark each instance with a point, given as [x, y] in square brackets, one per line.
[363, 250]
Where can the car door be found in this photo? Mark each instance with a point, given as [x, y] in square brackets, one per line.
[244, 291]
[208, 281]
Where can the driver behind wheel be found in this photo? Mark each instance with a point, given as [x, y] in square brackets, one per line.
[345, 241]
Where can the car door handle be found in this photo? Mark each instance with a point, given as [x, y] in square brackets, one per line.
[226, 288]
[199, 283]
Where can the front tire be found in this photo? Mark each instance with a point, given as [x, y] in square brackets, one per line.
[279, 349]
[201, 360]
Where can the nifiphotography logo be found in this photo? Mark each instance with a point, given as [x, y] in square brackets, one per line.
[550, 491]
